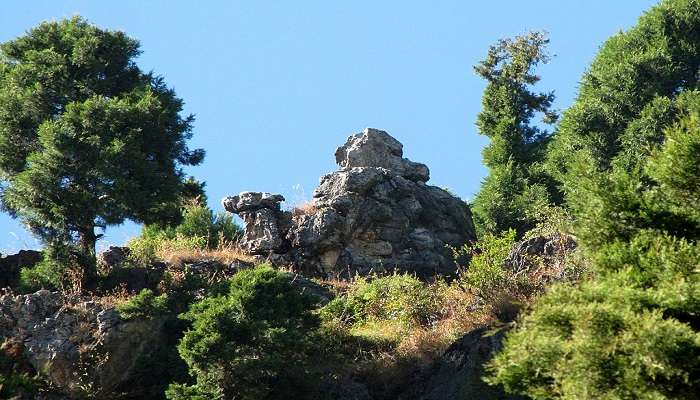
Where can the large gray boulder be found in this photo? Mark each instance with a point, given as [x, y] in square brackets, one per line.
[376, 148]
[376, 213]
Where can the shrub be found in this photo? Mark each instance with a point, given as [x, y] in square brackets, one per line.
[15, 386]
[399, 297]
[633, 331]
[605, 339]
[46, 274]
[485, 274]
[199, 229]
[58, 270]
[401, 315]
[248, 343]
[144, 305]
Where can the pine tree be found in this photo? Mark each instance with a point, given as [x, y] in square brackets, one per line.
[628, 155]
[516, 184]
[86, 138]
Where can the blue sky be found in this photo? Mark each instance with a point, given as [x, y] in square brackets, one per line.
[276, 86]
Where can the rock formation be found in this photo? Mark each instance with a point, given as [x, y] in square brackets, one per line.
[77, 345]
[546, 257]
[376, 213]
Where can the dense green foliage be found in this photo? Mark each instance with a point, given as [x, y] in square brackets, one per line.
[249, 342]
[633, 331]
[86, 138]
[621, 99]
[145, 304]
[54, 272]
[485, 274]
[400, 297]
[516, 185]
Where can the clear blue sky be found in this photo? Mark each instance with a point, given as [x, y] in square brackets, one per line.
[276, 85]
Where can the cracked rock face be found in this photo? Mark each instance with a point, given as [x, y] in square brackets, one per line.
[77, 345]
[376, 213]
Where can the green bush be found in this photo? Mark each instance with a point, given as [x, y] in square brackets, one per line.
[53, 272]
[248, 343]
[144, 305]
[485, 275]
[633, 331]
[17, 385]
[44, 275]
[400, 297]
[199, 229]
[607, 339]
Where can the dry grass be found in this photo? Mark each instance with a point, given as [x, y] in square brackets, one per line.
[226, 254]
[414, 348]
[117, 296]
[303, 208]
[403, 347]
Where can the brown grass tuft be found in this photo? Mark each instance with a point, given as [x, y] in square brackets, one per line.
[303, 208]
[224, 254]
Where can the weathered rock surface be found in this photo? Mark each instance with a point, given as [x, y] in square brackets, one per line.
[375, 214]
[265, 223]
[544, 256]
[10, 266]
[376, 148]
[113, 257]
[77, 345]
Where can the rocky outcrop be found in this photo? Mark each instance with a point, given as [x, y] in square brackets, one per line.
[458, 374]
[374, 214]
[113, 257]
[545, 258]
[78, 346]
[10, 266]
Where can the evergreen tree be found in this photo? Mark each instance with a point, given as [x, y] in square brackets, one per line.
[632, 332]
[516, 184]
[250, 342]
[86, 138]
[631, 181]
[634, 72]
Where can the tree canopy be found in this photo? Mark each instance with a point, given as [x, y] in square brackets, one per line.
[627, 154]
[86, 138]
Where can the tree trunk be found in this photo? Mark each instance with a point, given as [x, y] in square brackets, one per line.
[88, 260]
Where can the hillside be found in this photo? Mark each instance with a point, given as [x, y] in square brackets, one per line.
[573, 274]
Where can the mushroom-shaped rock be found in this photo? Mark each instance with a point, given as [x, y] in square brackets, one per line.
[265, 223]
[251, 201]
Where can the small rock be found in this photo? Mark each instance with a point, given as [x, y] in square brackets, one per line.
[113, 257]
